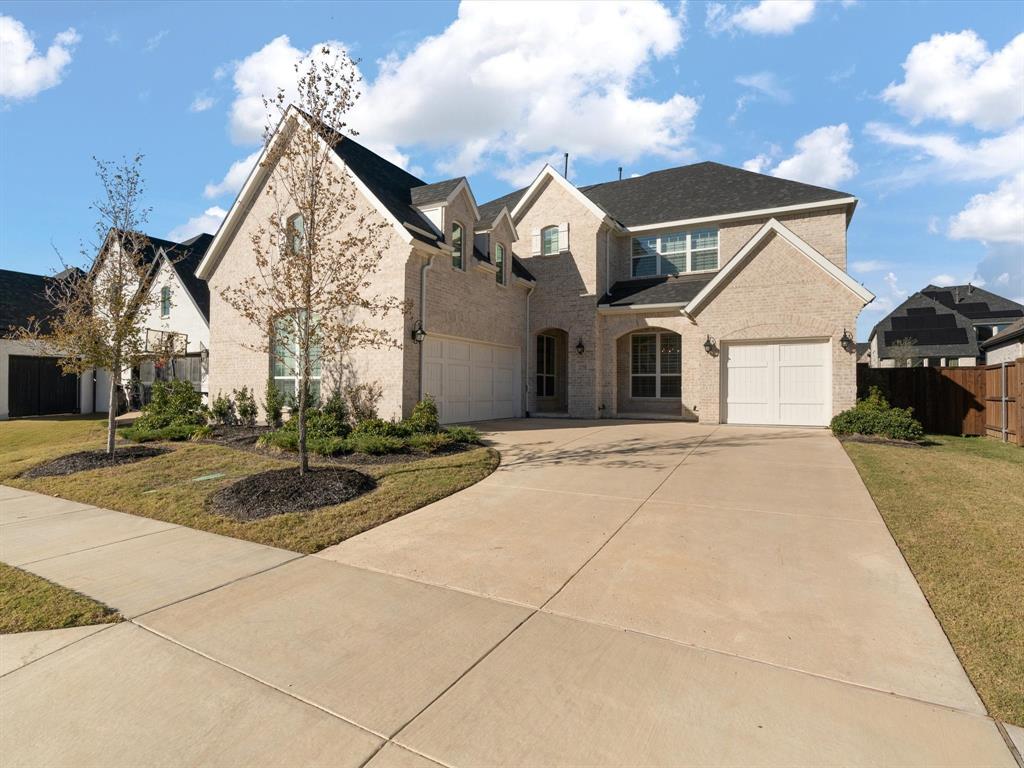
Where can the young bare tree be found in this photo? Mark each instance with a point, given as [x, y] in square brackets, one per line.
[316, 252]
[98, 317]
[902, 351]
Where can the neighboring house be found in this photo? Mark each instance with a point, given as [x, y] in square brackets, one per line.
[701, 292]
[941, 326]
[1006, 346]
[31, 381]
[180, 307]
[863, 353]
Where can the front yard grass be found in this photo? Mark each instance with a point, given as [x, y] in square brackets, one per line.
[29, 603]
[956, 509]
[167, 487]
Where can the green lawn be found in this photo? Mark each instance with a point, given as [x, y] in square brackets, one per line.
[956, 509]
[165, 487]
[29, 603]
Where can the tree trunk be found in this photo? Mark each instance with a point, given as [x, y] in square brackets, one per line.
[303, 454]
[115, 380]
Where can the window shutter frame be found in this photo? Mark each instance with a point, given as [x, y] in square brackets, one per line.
[563, 237]
[535, 249]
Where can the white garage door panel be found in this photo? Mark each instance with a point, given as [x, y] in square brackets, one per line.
[471, 381]
[782, 383]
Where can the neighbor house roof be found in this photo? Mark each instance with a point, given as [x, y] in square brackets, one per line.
[23, 296]
[1012, 333]
[974, 303]
[700, 190]
[938, 330]
[654, 290]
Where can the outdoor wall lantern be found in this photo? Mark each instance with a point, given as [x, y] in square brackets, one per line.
[709, 345]
[418, 334]
[580, 349]
[847, 341]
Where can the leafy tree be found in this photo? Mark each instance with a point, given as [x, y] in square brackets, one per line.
[902, 351]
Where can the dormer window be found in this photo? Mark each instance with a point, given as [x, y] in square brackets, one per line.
[675, 253]
[549, 240]
[499, 262]
[458, 247]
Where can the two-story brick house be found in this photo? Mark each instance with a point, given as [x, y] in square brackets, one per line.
[700, 292]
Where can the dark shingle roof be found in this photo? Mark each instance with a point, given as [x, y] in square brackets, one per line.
[520, 270]
[688, 192]
[975, 303]
[700, 190]
[938, 330]
[23, 295]
[434, 193]
[655, 290]
[1014, 331]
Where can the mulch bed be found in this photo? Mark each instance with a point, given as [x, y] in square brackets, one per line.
[279, 491]
[879, 440]
[234, 436]
[84, 460]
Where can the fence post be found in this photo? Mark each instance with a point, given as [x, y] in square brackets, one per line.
[1002, 391]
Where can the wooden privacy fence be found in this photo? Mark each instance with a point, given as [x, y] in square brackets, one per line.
[981, 400]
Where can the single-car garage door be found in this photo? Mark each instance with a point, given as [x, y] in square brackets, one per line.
[38, 387]
[471, 380]
[780, 383]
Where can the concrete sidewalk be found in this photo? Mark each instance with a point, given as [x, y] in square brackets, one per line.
[615, 594]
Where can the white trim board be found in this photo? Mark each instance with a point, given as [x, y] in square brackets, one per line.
[547, 172]
[838, 202]
[739, 260]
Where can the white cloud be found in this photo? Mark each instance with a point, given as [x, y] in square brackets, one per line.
[208, 221]
[989, 158]
[24, 72]
[153, 42]
[202, 102]
[496, 88]
[768, 17]
[933, 225]
[842, 74]
[234, 178]
[954, 77]
[943, 280]
[889, 297]
[766, 83]
[869, 265]
[1003, 279]
[994, 217]
[822, 157]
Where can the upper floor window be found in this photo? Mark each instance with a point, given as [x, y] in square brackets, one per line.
[286, 362]
[499, 262]
[675, 253]
[165, 301]
[296, 234]
[458, 246]
[549, 240]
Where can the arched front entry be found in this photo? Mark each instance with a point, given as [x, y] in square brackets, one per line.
[649, 372]
[551, 392]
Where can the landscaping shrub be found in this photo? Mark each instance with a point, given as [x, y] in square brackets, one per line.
[382, 428]
[222, 410]
[245, 406]
[175, 412]
[361, 401]
[874, 416]
[336, 407]
[424, 417]
[375, 445]
[273, 403]
[464, 435]
[430, 442]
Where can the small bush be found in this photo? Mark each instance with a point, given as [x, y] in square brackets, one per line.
[361, 400]
[424, 417]
[464, 435]
[175, 412]
[382, 428]
[245, 406]
[874, 416]
[222, 410]
[273, 403]
[375, 445]
[430, 442]
[139, 434]
[336, 407]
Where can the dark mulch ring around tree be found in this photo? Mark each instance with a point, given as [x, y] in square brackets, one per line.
[279, 491]
[84, 460]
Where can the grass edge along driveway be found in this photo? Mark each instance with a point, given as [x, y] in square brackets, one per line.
[166, 487]
[30, 603]
[956, 510]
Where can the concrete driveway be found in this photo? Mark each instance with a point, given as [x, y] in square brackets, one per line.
[615, 594]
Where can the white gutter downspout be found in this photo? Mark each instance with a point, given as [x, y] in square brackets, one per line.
[526, 354]
[423, 312]
[607, 264]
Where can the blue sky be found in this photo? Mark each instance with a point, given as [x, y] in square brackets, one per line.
[915, 108]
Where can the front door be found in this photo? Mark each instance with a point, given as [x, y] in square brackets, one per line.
[551, 369]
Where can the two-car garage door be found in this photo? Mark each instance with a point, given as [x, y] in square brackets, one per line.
[778, 383]
[471, 380]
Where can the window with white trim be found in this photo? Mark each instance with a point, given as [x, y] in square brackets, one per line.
[458, 246]
[656, 365]
[675, 253]
[549, 240]
[165, 301]
[499, 262]
[286, 360]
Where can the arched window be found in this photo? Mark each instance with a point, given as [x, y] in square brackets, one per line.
[549, 245]
[296, 234]
[458, 245]
[499, 262]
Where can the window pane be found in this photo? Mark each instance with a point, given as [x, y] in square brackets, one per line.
[671, 386]
[644, 386]
[540, 354]
[673, 264]
[671, 353]
[549, 238]
[644, 357]
[286, 387]
[673, 243]
[704, 239]
[456, 246]
[704, 260]
[297, 233]
[499, 262]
